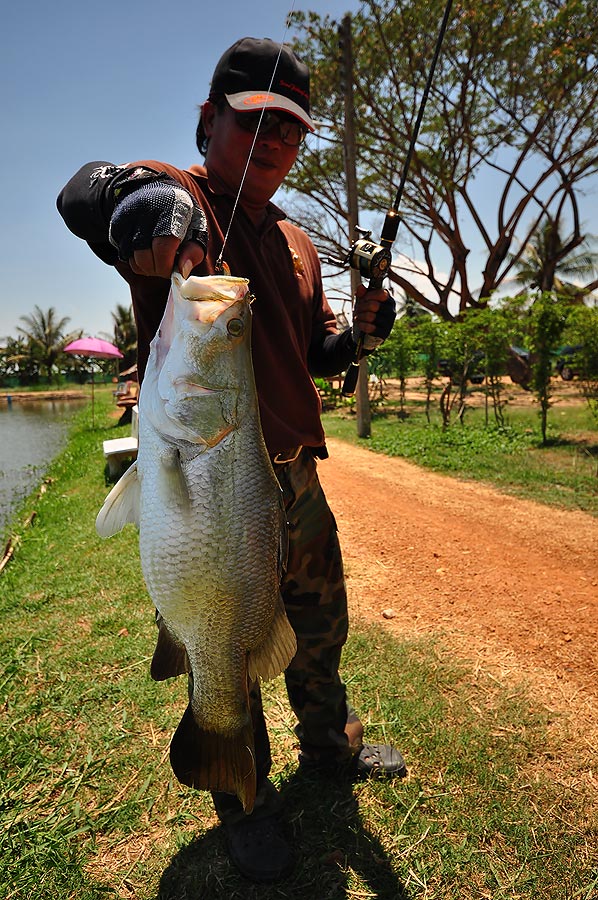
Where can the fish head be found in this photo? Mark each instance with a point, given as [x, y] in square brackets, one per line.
[200, 360]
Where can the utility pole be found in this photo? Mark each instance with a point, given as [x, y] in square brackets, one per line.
[362, 399]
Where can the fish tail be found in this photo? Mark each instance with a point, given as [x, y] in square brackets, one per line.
[212, 761]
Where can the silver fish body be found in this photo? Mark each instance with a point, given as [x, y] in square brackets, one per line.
[211, 527]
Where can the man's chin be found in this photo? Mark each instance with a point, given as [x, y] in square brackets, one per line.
[259, 189]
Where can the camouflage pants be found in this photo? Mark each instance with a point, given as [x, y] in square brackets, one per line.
[316, 603]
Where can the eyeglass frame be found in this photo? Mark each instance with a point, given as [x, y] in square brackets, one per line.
[264, 120]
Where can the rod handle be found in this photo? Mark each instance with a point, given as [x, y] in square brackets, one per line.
[352, 374]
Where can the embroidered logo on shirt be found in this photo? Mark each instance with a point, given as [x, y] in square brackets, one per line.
[106, 172]
[297, 262]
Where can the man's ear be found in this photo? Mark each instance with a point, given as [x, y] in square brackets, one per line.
[208, 111]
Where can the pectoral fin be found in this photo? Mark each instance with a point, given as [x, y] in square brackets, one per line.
[121, 506]
[170, 656]
[172, 483]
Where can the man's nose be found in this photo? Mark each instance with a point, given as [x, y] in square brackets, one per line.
[272, 137]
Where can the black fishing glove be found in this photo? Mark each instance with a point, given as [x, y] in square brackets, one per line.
[385, 318]
[153, 210]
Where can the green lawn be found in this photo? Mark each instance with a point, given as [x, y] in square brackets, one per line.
[563, 473]
[500, 801]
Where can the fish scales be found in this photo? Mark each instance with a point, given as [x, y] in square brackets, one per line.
[211, 528]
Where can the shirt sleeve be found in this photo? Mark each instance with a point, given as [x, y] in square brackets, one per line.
[330, 354]
[86, 205]
[87, 201]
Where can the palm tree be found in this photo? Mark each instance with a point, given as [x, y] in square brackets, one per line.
[125, 334]
[13, 357]
[45, 333]
[550, 255]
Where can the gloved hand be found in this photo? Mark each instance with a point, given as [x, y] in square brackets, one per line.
[373, 317]
[160, 215]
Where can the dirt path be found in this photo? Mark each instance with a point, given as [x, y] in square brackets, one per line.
[507, 580]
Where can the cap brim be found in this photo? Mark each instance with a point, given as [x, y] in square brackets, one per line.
[252, 101]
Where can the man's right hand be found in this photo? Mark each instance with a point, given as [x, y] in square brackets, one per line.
[154, 223]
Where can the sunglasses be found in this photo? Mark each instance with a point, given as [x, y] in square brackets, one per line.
[292, 133]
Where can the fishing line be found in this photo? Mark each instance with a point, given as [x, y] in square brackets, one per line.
[219, 261]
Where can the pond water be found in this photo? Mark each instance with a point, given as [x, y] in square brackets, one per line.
[32, 433]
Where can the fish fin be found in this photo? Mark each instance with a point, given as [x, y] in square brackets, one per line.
[274, 654]
[283, 542]
[173, 482]
[170, 656]
[121, 506]
[211, 761]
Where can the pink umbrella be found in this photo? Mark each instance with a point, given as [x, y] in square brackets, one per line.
[95, 348]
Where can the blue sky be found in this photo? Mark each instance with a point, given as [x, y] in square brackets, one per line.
[114, 81]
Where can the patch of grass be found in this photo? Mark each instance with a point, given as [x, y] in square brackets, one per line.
[88, 805]
[563, 473]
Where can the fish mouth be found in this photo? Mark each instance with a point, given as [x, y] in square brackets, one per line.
[185, 387]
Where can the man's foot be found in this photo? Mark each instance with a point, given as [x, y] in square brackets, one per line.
[380, 760]
[258, 848]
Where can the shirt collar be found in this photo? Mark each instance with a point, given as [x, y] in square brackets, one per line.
[218, 189]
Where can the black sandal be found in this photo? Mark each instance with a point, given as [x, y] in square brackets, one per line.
[380, 760]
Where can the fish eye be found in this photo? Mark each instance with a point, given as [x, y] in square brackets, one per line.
[235, 327]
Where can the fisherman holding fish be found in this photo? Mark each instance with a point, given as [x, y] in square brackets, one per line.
[154, 222]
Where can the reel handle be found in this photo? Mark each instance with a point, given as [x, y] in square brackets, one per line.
[372, 261]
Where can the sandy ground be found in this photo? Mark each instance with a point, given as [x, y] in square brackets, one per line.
[506, 581]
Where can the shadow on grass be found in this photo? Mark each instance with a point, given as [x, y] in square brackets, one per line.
[576, 443]
[336, 855]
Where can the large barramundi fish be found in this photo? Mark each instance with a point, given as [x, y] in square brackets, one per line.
[212, 528]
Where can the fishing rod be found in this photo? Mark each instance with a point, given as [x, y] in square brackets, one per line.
[372, 260]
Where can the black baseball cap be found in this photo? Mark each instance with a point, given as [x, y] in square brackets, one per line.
[256, 73]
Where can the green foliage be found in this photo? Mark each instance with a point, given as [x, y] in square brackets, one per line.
[550, 254]
[17, 361]
[521, 77]
[547, 321]
[512, 457]
[37, 352]
[45, 335]
[427, 338]
[125, 334]
[489, 331]
[330, 392]
[396, 356]
[582, 332]
[429, 345]
[492, 328]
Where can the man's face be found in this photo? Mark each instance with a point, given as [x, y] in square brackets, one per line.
[228, 151]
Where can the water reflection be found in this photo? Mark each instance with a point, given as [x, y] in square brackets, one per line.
[31, 434]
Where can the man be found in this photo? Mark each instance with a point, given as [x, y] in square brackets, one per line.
[148, 217]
